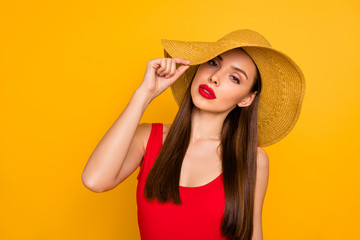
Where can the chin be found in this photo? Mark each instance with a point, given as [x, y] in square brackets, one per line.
[207, 106]
[200, 102]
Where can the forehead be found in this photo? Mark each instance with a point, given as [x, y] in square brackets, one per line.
[236, 54]
[239, 58]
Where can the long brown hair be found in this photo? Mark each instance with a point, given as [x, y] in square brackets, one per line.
[238, 148]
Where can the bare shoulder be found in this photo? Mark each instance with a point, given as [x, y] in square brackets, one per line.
[262, 178]
[166, 128]
[144, 131]
[262, 174]
[262, 158]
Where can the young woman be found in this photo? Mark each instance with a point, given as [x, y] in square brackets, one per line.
[205, 175]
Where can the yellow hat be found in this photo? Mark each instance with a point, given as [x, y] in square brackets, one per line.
[282, 81]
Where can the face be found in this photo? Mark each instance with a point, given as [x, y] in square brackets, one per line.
[229, 78]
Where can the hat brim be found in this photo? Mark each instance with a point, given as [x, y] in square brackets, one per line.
[283, 83]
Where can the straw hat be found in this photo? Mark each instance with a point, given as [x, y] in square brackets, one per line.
[283, 83]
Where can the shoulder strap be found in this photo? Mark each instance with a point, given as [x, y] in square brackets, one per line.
[153, 148]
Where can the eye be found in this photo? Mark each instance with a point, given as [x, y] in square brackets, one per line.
[212, 62]
[235, 79]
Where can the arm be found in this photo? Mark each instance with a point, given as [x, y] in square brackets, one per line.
[262, 176]
[107, 159]
[121, 149]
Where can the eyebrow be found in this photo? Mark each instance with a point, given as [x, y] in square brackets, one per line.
[235, 68]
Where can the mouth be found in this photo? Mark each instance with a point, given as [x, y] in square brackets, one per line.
[206, 91]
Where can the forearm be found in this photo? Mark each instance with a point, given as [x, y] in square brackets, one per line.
[107, 159]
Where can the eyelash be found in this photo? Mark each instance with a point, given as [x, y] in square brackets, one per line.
[236, 79]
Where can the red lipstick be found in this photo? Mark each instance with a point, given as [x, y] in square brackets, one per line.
[206, 91]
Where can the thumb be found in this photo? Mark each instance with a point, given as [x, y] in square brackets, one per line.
[178, 73]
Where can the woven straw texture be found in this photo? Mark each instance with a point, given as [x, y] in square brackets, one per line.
[283, 83]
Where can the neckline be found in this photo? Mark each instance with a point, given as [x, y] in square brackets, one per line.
[202, 186]
[185, 187]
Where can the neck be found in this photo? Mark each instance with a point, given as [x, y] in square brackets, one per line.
[206, 125]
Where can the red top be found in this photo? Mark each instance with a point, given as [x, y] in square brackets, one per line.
[199, 216]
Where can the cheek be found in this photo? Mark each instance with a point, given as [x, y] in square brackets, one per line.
[232, 95]
[192, 88]
[195, 84]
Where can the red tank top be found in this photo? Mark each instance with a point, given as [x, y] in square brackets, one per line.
[199, 216]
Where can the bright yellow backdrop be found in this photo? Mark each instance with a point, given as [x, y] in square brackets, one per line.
[68, 69]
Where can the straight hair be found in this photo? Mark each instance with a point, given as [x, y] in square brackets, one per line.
[239, 162]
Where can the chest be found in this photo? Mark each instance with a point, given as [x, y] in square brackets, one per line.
[201, 164]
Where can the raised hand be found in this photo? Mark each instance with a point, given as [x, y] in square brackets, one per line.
[161, 73]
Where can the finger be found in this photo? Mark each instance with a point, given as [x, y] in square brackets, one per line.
[172, 70]
[178, 73]
[182, 61]
[168, 66]
[162, 66]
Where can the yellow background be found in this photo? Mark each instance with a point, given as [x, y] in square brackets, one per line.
[68, 69]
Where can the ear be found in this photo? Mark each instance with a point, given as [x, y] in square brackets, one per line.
[247, 100]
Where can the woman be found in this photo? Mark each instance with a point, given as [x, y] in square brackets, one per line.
[204, 176]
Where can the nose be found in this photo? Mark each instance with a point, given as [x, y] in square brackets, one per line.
[214, 79]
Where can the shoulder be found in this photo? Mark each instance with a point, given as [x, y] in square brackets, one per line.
[262, 172]
[262, 158]
[146, 127]
[166, 128]
[262, 177]
[144, 131]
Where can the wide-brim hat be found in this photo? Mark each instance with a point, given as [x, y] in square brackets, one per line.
[283, 83]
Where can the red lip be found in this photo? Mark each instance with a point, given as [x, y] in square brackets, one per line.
[205, 94]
